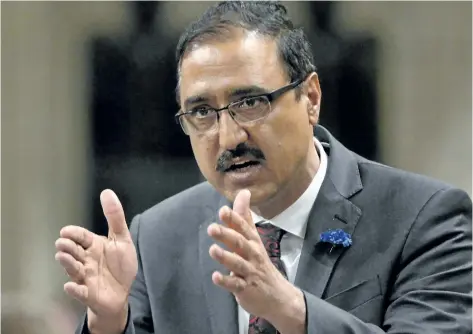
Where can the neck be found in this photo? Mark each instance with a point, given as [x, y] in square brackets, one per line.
[293, 189]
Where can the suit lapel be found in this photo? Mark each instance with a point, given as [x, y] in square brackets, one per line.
[222, 305]
[332, 210]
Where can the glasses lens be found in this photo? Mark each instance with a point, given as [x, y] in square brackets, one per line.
[245, 111]
[250, 109]
[199, 122]
[183, 125]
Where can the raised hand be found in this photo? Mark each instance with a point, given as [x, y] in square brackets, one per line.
[101, 269]
[256, 283]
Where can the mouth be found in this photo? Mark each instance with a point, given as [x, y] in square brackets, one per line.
[242, 166]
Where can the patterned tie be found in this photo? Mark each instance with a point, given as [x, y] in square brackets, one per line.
[271, 237]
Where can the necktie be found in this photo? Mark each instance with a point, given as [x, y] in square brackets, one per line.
[271, 237]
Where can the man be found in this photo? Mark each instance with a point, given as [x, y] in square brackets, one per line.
[292, 233]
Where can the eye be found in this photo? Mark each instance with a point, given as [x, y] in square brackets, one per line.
[251, 103]
[201, 112]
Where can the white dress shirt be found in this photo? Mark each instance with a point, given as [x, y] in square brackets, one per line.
[294, 221]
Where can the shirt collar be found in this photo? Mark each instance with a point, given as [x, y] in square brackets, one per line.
[294, 218]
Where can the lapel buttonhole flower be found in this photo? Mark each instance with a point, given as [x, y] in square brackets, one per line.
[336, 237]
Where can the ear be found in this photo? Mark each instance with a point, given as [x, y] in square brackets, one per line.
[314, 98]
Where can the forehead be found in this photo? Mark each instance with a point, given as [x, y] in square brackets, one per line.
[246, 59]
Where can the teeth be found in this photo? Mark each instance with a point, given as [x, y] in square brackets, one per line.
[242, 165]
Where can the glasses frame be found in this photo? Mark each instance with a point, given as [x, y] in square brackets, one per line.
[272, 96]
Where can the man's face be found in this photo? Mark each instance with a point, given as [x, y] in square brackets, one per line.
[267, 155]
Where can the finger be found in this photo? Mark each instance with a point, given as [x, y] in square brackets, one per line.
[74, 268]
[78, 234]
[232, 239]
[69, 246]
[234, 221]
[241, 205]
[77, 291]
[232, 261]
[233, 283]
[113, 211]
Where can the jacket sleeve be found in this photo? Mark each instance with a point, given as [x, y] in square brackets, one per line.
[139, 313]
[432, 291]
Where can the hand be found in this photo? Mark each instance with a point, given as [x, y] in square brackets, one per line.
[256, 283]
[101, 269]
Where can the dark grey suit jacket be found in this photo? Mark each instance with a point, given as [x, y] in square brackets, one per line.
[407, 271]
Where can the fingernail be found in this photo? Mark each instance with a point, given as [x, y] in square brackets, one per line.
[214, 229]
[225, 210]
[217, 251]
[216, 276]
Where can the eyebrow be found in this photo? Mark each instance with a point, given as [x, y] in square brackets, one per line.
[254, 90]
[193, 100]
[236, 92]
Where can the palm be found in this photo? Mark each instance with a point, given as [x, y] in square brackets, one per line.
[110, 269]
[101, 270]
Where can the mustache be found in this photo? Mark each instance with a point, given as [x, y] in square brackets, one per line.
[242, 150]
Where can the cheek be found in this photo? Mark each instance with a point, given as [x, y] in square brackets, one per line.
[205, 154]
[285, 138]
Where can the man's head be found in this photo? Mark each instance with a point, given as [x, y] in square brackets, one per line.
[242, 136]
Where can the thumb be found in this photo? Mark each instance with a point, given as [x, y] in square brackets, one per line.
[113, 211]
[241, 205]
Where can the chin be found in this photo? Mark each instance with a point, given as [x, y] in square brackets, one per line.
[259, 194]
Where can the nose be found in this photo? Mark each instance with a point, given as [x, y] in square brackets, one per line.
[231, 134]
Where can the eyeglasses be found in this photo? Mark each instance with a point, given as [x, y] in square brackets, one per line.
[245, 111]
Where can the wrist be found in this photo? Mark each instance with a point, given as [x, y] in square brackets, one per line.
[291, 316]
[115, 324]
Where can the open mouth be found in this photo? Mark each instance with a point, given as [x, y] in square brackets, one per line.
[242, 166]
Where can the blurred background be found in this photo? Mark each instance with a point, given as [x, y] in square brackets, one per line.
[88, 104]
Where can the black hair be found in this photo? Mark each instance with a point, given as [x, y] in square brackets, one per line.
[268, 18]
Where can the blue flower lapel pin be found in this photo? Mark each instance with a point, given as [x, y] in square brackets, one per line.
[336, 237]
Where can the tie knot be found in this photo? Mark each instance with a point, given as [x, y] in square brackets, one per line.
[271, 237]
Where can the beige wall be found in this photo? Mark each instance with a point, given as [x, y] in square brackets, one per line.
[425, 122]
[44, 133]
[425, 83]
